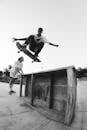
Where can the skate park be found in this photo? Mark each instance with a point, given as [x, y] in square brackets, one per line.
[63, 106]
[53, 98]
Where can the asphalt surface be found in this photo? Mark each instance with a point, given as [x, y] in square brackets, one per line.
[14, 115]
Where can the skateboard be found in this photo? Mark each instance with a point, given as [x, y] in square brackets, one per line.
[28, 53]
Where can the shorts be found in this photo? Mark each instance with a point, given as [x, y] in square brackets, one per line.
[12, 80]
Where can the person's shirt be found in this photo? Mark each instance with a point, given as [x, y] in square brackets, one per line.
[36, 38]
[41, 38]
[16, 69]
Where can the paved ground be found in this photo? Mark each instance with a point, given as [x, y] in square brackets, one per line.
[16, 116]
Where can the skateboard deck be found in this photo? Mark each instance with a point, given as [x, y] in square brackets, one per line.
[28, 53]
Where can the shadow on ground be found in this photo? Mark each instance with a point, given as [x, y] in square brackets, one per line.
[16, 115]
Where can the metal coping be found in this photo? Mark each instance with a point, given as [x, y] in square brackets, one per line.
[50, 70]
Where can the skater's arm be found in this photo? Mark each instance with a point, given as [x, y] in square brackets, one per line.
[53, 44]
[48, 42]
[22, 39]
[22, 72]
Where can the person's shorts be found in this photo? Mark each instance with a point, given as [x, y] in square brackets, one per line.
[12, 80]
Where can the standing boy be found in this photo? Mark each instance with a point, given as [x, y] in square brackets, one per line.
[15, 72]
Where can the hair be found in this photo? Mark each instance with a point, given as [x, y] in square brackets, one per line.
[40, 29]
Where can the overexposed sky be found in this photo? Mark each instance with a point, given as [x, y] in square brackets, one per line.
[64, 23]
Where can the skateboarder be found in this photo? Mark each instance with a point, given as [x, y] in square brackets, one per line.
[15, 72]
[35, 42]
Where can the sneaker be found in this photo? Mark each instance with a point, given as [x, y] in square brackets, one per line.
[13, 91]
[10, 92]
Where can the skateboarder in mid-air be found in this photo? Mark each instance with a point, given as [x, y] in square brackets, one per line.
[35, 42]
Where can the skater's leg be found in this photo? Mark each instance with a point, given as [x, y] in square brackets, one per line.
[11, 83]
[39, 48]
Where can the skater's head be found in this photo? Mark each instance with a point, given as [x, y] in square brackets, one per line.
[21, 59]
[40, 30]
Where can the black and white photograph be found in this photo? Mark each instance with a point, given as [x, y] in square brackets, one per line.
[43, 67]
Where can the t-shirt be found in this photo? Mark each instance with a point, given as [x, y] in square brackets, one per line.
[41, 38]
[36, 39]
[15, 70]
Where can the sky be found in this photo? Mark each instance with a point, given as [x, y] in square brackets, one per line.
[64, 23]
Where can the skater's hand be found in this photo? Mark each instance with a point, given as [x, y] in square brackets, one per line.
[14, 39]
[56, 45]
